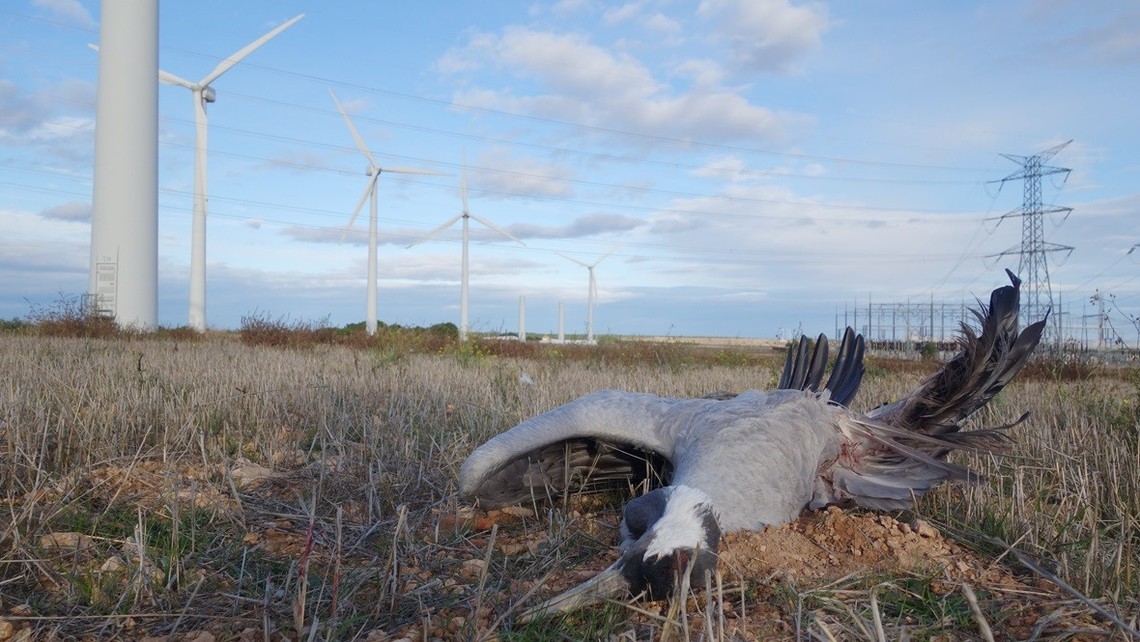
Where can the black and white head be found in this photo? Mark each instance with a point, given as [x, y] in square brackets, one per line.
[666, 534]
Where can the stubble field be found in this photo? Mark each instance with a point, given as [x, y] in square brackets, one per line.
[209, 489]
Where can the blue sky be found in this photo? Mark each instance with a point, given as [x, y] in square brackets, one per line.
[753, 165]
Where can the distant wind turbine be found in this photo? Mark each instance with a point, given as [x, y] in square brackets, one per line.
[373, 171]
[203, 93]
[465, 215]
[593, 293]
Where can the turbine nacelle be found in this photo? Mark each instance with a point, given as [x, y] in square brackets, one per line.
[208, 94]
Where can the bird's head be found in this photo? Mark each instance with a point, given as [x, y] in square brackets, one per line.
[667, 535]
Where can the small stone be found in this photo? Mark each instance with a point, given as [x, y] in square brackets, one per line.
[113, 564]
[512, 548]
[247, 475]
[456, 624]
[67, 541]
[924, 529]
[473, 567]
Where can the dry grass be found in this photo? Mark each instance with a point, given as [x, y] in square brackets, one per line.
[171, 487]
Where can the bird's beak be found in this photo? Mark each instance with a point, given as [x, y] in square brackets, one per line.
[608, 584]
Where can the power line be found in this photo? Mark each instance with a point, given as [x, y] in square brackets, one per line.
[713, 255]
[553, 179]
[633, 159]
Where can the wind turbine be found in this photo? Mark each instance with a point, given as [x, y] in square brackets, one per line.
[593, 293]
[203, 93]
[465, 215]
[373, 171]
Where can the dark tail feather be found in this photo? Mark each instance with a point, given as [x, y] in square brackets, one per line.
[804, 373]
[847, 373]
[985, 364]
[800, 372]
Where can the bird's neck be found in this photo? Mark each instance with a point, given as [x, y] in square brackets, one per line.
[689, 521]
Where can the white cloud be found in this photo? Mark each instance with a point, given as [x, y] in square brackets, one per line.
[767, 35]
[358, 235]
[17, 112]
[725, 167]
[70, 211]
[703, 72]
[583, 226]
[299, 160]
[70, 10]
[570, 6]
[1091, 34]
[624, 13]
[582, 82]
[31, 121]
[63, 128]
[661, 23]
[509, 175]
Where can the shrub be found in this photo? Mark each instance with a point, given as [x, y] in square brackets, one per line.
[73, 316]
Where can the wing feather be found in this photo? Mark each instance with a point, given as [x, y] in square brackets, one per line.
[605, 439]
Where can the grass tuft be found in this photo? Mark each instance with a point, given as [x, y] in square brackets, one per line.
[297, 480]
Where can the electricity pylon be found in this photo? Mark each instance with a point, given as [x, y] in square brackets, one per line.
[1033, 266]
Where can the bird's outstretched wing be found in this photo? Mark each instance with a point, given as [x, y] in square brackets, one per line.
[802, 372]
[607, 439]
[898, 451]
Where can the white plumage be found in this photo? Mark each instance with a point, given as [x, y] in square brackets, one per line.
[742, 462]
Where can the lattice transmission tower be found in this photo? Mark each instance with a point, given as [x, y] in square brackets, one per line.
[1033, 266]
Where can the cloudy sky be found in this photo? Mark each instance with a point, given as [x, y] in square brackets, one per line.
[752, 165]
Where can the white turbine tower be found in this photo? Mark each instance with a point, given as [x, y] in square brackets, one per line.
[465, 215]
[203, 93]
[123, 281]
[373, 171]
[593, 293]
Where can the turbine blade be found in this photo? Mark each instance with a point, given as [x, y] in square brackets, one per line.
[359, 204]
[604, 257]
[237, 57]
[168, 78]
[570, 258]
[451, 221]
[463, 181]
[163, 76]
[413, 170]
[496, 228]
[352, 128]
